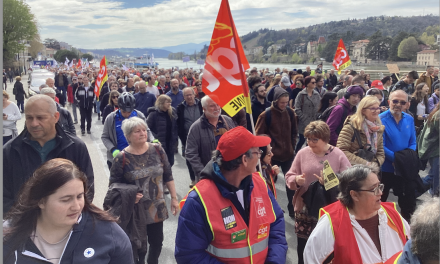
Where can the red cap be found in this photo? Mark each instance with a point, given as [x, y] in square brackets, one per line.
[237, 141]
[377, 84]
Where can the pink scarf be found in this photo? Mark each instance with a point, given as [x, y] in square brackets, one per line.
[370, 129]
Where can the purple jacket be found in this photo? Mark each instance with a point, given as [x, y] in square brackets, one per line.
[432, 102]
[336, 119]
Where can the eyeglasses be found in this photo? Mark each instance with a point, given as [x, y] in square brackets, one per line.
[374, 109]
[376, 190]
[258, 153]
[397, 101]
[199, 85]
[314, 140]
[113, 97]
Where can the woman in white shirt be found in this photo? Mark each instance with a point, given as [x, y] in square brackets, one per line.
[11, 114]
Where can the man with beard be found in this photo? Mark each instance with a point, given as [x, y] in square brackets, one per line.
[130, 86]
[190, 79]
[175, 94]
[399, 135]
[204, 134]
[259, 102]
[332, 80]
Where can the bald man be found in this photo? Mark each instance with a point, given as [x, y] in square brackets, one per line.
[41, 140]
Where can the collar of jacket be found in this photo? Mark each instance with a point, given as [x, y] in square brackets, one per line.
[196, 102]
[63, 140]
[205, 122]
[255, 100]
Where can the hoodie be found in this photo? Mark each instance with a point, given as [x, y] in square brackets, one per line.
[336, 119]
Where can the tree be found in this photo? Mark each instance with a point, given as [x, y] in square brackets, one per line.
[408, 48]
[377, 48]
[392, 53]
[61, 55]
[87, 56]
[313, 38]
[274, 57]
[52, 43]
[296, 59]
[35, 47]
[19, 27]
[328, 53]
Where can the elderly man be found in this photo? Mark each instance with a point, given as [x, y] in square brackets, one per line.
[41, 140]
[130, 86]
[175, 94]
[399, 135]
[65, 120]
[231, 216]
[162, 85]
[85, 96]
[51, 83]
[112, 134]
[204, 135]
[332, 80]
[423, 247]
[188, 112]
[178, 76]
[144, 99]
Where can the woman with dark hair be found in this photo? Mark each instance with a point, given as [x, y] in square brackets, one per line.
[358, 228]
[296, 87]
[419, 104]
[306, 107]
[328, 101]
[53, 222]
[198, 89]
[292, 76]
[367, 78]
[269, 172]
[112, 104]
[162, 121]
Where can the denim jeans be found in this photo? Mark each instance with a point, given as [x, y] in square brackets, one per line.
[74, 113]
[98, 104]
[20, 104]
[300, 143]
[432, 178]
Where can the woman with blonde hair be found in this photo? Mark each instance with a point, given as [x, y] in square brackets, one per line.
[162, 121]
[366, 129]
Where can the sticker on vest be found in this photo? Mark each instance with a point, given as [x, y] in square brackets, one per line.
[237, 236]
[263, 230]
[228, 218]
[89, 252]
[259, 207]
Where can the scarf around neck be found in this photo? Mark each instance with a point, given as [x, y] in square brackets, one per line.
[370, 129]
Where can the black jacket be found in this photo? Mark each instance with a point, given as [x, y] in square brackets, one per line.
[105, 98]
[181, 120]
[316, 197]
[408, 176]
[332, 81]
[85, 101]
[120, 201]
[107, 110]
[159, 126]
[65, 81]
[107, 240]
[258, 108]
[65, 120]
[19, 91]
[20, 160]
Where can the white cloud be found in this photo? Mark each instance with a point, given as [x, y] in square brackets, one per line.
[177, 22]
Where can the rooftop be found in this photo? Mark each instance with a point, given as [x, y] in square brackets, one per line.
[427, 51]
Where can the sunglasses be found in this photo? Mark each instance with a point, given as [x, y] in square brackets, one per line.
[113, 97]
[397, 101]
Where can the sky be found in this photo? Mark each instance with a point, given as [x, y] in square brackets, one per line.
[101, 24]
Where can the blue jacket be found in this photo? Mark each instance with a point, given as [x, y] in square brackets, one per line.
[396, 137]
[105, 241]
[407, 256]
[193, 232]
[144, 101]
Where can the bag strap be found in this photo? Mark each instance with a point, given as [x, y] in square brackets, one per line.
[268, 118]
[357, 136]
[123, 158]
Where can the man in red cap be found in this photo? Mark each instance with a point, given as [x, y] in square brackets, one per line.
[230, 216]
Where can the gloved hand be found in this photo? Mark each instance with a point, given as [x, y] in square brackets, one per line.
[115, 152]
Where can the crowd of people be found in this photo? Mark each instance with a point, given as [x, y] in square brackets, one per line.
[376, 135]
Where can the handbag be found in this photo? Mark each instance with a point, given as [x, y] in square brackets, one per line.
[364, 152]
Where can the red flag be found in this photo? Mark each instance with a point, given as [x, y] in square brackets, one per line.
[341, 60]
[224, 79]
[79, 63]
[102, 77]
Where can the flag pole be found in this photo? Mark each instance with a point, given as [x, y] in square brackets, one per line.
[242, 75]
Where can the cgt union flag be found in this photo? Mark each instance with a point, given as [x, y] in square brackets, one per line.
[102, 76]
[341, 60]
[224, 79]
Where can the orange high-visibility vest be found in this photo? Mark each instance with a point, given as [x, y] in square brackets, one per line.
[346, 249]
[233, 241]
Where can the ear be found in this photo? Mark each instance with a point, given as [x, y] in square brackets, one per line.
[42, 203]
[354, 195]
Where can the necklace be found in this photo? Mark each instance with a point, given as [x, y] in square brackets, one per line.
[40, 237]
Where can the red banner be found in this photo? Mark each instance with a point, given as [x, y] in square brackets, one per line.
[341, 60]
[79, 63]
[102, 77]
[224, 79]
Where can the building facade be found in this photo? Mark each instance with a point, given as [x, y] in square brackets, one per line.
[428, 57]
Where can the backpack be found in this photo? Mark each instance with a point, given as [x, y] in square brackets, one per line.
[328, 113]
[269, 115]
